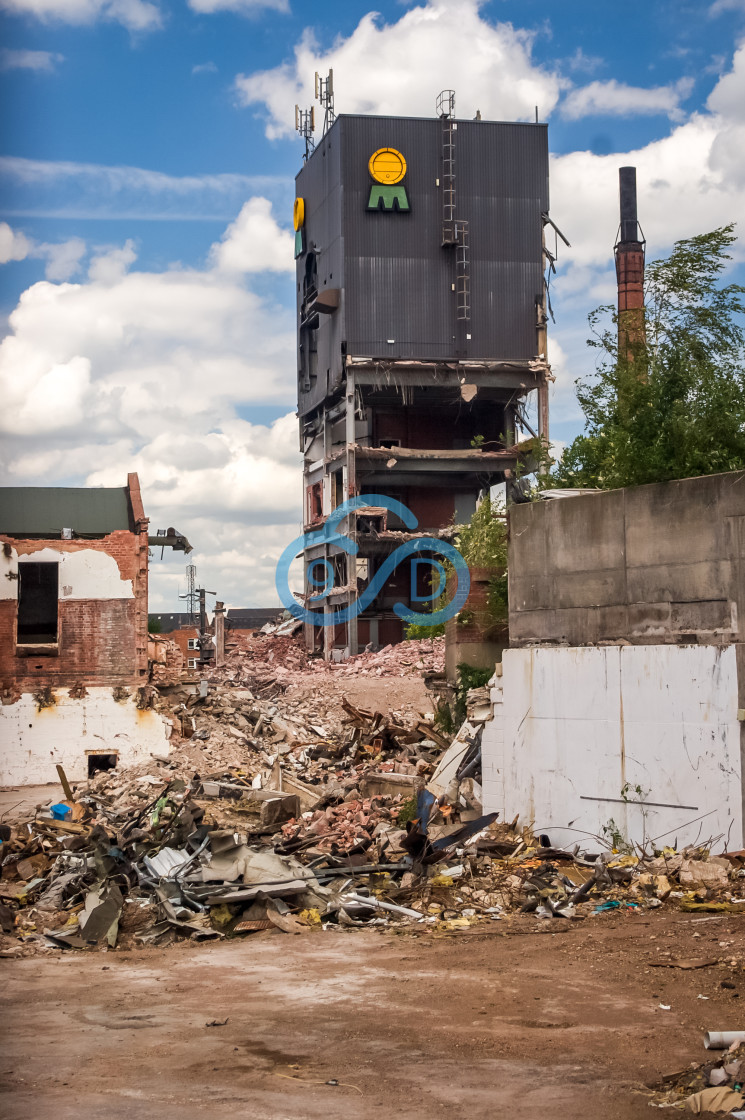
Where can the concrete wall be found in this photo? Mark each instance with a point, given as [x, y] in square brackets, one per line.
[650, 564]
[33, 741]
[576, 730]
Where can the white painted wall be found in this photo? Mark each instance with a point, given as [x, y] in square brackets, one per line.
[33, 742]
[574, 725]
[83, 574]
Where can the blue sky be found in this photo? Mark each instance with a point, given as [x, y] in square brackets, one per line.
[146, 182]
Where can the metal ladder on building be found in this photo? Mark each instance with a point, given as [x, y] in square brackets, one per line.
[462, 272]
[454, 230]
[446, 112]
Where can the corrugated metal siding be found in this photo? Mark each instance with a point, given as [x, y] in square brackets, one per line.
[403, 276]
[319, 183]
[395, 275]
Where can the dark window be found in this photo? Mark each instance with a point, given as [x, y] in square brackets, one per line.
[38, 594]
[98, 762]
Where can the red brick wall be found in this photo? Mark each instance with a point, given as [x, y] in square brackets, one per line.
[181, 638]
[97, 646]
[101, 641]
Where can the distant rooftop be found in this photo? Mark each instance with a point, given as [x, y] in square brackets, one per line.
[251, 618]
[171, 622]
[44, 511]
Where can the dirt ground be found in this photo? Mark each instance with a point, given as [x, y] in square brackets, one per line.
[520, 1019]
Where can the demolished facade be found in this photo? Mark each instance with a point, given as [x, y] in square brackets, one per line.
[74, 657]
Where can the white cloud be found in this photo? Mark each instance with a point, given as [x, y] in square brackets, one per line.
[110, 266]
[254, 242]
[721, 6]
[146, 371]
[135, 15]
[29, 60]
[584, 63]
[63, 258]
[688, 183]
[204, 68]
[13, 246]
[242, 7]
[400, 68]
[183, 343]
[88, 190]
[617, 99]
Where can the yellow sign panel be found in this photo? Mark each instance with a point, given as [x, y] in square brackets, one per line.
[387, 166]
[298, 213]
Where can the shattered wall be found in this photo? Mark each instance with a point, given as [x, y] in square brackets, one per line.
[638, 740]
[70, 690]
[101, 601]
[54, 727]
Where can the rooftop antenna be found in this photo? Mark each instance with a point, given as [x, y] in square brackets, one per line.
[305, 124]
[191, 594]
[325, 95]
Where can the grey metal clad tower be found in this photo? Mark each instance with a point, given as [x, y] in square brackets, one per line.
[421, 309]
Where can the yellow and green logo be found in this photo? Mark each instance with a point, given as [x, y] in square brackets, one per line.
[387, 167]
[298, 221]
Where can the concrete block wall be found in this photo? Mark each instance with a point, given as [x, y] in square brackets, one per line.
[648, 564]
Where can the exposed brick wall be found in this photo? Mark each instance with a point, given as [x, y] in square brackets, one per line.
[96, 647]
[121, 544]
[101, 641]
[181, 638]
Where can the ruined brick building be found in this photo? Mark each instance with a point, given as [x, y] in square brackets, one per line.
[73, 623]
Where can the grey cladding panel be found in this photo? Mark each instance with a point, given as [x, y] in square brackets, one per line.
[37, 511]
[501, 189]
[395, 276]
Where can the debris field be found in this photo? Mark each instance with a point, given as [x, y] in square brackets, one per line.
[287, 808]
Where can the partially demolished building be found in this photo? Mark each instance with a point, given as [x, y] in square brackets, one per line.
[422, 313]
[73, 619]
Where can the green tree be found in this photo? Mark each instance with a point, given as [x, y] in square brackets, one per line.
[672, 405]
[153, 625]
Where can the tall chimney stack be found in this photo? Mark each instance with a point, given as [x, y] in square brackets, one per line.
[629, 251]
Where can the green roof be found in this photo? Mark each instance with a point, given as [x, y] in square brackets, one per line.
[44, 511]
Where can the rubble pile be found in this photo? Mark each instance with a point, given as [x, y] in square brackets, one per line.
[148, 857]
[277, 810]
[281, 656]
[714, 1086]
[423, 655]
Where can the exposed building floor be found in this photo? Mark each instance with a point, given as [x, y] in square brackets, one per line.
[510, 1022]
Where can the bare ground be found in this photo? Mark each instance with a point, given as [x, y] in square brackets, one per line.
[511, 1020]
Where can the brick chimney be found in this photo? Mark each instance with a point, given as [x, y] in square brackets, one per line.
[629, 252]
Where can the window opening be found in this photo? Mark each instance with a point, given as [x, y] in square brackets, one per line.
[98, 762]
[38, 597]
